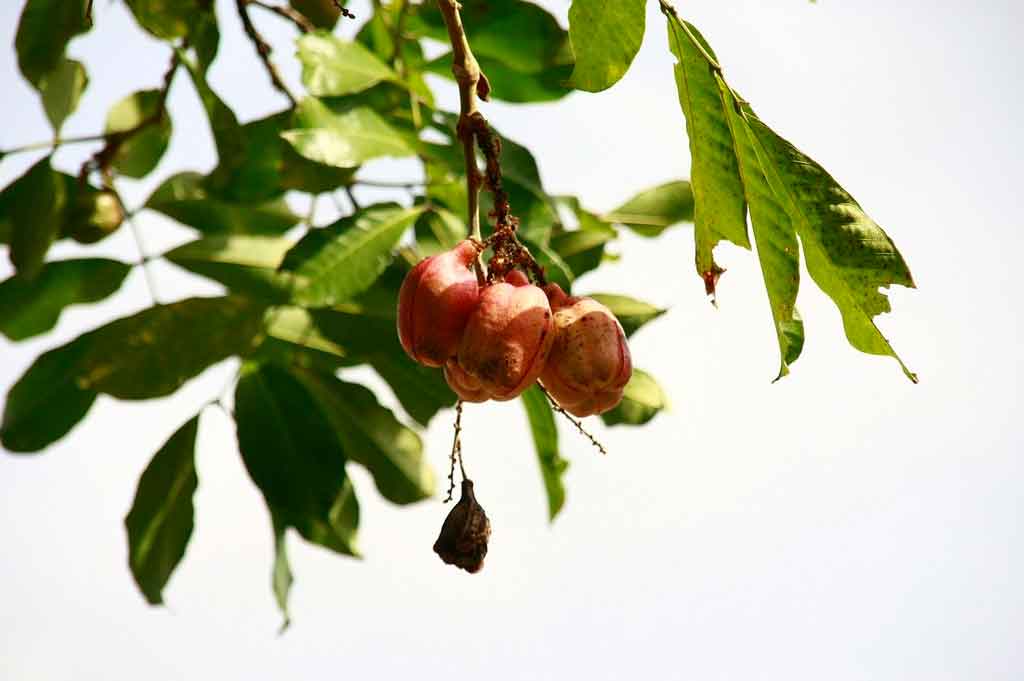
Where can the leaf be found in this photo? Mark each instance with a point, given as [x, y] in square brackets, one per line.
[44, 30]
[848, 255]
[719, 205]
[294, 457]
[139, 154]
[605, 35]
[35, 206]
[582, 249]
[777, 247]
[154, 352]
[323, 13]
[166, 19]
[31, 307]
[556, 270]
[281, 577]
[332, 67]
[653, 210]
[227, 133]
[160, 521]
[630, 312]
[509, 85]
[344, 259]
[61, 89]
[641, 401]
[344, 140]
[246, 264]
[186, 198]
[545, 440]
[297, 326]
[48, 400]
[438, 230]
[372, 437]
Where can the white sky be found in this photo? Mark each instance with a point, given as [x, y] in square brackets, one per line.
[841, 524]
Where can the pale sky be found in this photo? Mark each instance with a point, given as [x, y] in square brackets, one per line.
[840, 524]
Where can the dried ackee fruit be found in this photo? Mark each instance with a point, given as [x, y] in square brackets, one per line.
[464, 534]
[508, 337]
[589, 364]
[435, 302]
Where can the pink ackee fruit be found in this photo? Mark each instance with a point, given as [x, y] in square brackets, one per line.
[434, 303]
[589, 364]
[507, 339]
[462, 384]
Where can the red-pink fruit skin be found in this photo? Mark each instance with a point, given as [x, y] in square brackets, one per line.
[462, 384]
[508, 337]
[590, 364]
[434, 303]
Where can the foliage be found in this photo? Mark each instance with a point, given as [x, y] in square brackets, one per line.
[303, 300]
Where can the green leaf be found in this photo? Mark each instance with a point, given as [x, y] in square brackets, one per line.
[61, 89]
[227, 133]
[186, 198]
[246, 264]
[154, 352]
[44, 30]
[438, 230]
[556, 269]
[296, 326]
[372, 437]
[545, 440]
[509, 85]
[35, 207]
[653, 210]
[160, 521]
[720, 208]
[332, 67]
[344, 140]
[641, 401]
[630, 312]
[848, 255]
[281, 576]
[48, 400]
[91, 214]
[777, 247]
[31, 307]
[293, 455]
[166, 19]
[582, 249]
[342, 260]
[605, 35]
[142, 151]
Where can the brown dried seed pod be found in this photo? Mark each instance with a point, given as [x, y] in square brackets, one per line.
[464, 534]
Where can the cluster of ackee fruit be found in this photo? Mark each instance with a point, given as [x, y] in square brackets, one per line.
[495, 340]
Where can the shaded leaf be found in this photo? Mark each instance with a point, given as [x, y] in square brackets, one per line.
[332, 67]
[140, 153]
[641, 401]
[323, 13]
[166, 19]
[509, 85]
[344, 140]
[246, 264]
[34, 204]
[372, 437]
[160, 522]
[653, 210]
[281, 576]
[293, 455]
[61, 89]
[582, 249]
[44, 30]
[340, 261]
[545, 440]
[31, 307]
[186, 198]
[605, 35]
[630, 312]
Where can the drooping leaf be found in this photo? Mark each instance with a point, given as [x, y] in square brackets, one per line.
[630, 312]
[582, 249]
[30, 307]
[48, 400]
[332, 67]
[34, 204]
[438, 230]
[246, 264]
[777, 247]
[281, 576]
[344, 140]
[227, 133]
[186, 198]
[641, 401]
[719, 204]
[653, 210]
[142, 151]
[160, 522]
[372, 437]
[605, 35]
[61, 89]
[545, 440]
[848, 255]
[342, 260]
[44, 30]
[295, 458]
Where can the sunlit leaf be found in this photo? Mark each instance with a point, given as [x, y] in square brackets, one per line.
[605, 35]
[343, 139]
[332, 67]
[653, 210]
[630, 312]
[246, 264]
[642, 399]
[61, 89]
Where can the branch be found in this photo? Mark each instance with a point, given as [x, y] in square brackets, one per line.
[263, 49]
[288, 13]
